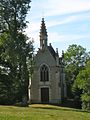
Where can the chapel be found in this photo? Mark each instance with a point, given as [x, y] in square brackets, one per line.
[48, 83]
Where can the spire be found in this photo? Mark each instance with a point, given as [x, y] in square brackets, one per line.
[43, 34]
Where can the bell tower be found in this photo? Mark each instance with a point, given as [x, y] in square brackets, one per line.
[43, 35]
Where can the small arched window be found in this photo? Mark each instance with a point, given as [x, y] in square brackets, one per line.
[44, 73]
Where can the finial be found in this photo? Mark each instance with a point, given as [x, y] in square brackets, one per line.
[62, 54]
[57, 50]
[42, 19]
[50, 44]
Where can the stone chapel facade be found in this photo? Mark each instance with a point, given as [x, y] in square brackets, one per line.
[48, 80]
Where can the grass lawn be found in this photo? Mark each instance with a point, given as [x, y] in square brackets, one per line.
[42, 112]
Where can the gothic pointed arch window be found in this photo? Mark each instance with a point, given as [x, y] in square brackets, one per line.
[44, 73]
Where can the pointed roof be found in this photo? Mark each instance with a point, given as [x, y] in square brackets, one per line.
[43, 35]
[52, 51]
[43, 30]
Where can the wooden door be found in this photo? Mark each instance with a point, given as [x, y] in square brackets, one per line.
[45, 95]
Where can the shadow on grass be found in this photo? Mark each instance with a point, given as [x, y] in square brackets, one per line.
[46, 106]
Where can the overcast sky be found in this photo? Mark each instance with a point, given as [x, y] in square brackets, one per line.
[67, 22]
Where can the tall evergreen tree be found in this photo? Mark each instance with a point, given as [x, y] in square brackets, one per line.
[16, 52]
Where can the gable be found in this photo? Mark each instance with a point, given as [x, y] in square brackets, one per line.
[45, 56]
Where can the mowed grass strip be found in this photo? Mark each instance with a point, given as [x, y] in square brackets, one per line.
[42, 112]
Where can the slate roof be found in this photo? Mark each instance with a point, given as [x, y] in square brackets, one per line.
[52, 51]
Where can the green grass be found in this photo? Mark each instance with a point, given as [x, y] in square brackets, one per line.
[42, 112]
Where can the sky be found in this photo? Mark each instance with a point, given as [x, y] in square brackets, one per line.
[67, 22]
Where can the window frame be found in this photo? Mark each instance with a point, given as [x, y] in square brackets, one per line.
[44, 73]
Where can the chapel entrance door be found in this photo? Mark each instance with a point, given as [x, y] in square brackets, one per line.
[45, 95]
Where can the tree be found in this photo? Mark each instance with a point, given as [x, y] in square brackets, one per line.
[16, 52]
[83, 83]
[12, 15]
[75, 60]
